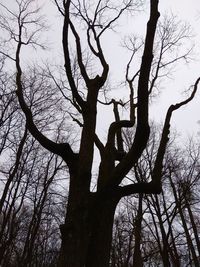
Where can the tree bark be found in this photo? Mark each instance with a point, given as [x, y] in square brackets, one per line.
[87, 233]
[75, 233]
[137, 257]
[101, 236]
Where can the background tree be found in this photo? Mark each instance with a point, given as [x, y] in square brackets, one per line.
[165, 223]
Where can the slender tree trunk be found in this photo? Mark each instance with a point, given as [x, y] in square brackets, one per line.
[166, 247]
[185, 227]
[194, 227]
[137, 258]
[172, 249]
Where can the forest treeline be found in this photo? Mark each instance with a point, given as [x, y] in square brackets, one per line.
[162, 229]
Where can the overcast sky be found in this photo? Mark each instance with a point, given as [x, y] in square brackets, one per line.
[184, 120]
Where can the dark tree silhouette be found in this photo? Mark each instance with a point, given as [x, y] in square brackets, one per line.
[87, 231]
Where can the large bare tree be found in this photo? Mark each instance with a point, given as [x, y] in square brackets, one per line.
[87, 231]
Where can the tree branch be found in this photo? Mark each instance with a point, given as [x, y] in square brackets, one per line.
[157, 171]
[79, 54]
[142, 129]
[63, 150]
[68, 69]
[114, 127]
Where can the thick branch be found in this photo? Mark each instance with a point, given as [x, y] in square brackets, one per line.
[121, 191]
[142, 129]
[157, 171]
[119, 132]
[102, 59]
[146, 188]
[79, 54]
[143, 94]
[64, 150]
[114, 127]
[68, 69]
[154, 187]
[99, 145]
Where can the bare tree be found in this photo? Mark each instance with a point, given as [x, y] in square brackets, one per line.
[87, 231]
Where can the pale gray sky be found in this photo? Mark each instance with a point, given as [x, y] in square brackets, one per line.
[184, 120]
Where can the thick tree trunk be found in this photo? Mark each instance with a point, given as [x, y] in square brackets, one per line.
[75, 236]
[87, 234]
[101, 236]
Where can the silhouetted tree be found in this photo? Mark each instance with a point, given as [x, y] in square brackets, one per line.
[87, 231]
